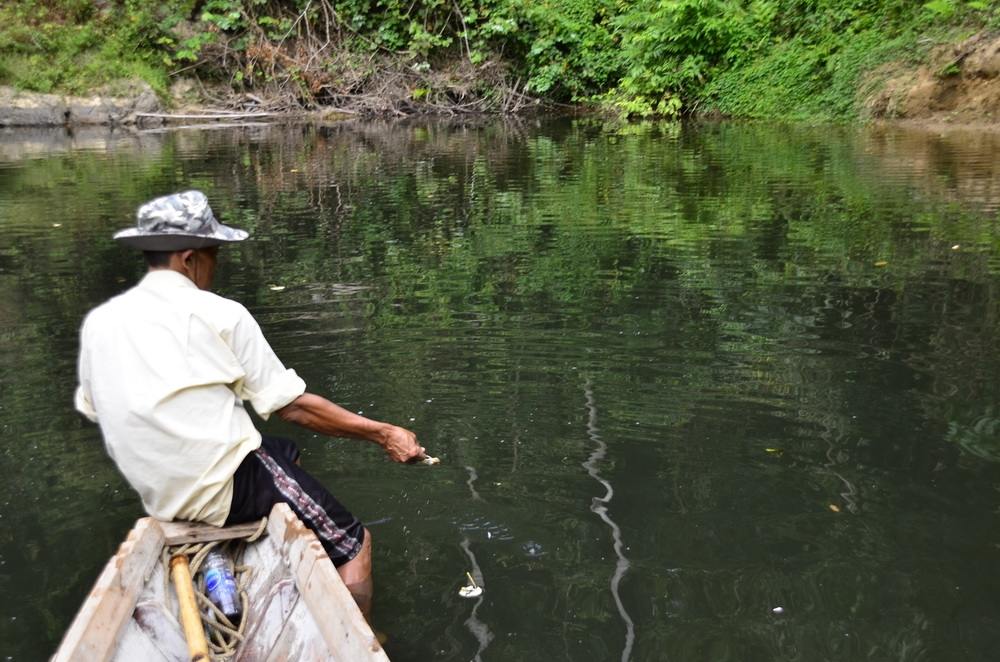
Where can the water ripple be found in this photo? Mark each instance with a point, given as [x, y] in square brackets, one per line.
[600, 507]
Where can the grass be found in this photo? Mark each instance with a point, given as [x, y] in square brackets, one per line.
[825, 74]
[43, 49]
[800, 80]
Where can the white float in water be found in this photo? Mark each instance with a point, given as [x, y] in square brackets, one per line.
[473, 590]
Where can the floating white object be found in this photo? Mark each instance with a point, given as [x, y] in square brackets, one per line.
[473, 590]
[430, 460]
[276, 288]
[778, 610]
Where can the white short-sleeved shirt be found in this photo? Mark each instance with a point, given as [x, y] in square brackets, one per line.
[164, 370]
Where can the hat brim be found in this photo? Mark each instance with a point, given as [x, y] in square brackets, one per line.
[176, 241]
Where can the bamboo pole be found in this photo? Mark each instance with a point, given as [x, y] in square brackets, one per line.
[194, 631]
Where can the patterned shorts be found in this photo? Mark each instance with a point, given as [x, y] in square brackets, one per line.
[270, 475]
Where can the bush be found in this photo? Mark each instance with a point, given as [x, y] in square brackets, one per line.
[757, 58]
[72, 46]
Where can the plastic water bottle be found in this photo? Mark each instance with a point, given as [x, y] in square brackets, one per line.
[220, 585]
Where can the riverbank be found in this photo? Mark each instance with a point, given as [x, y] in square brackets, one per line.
[957, 84]
[22, 108]
[775, 59]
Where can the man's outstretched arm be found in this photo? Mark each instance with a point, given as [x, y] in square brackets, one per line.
[318, 414]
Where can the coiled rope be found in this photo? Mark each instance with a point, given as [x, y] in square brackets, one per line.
[224, 637]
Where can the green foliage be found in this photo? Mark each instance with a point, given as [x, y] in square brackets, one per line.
[226, 15]
[941, 8]
[673, 47]
[815, 68]
[799, 79]
[949, 9]
[74, 46]
[758, 58]
[571, 47]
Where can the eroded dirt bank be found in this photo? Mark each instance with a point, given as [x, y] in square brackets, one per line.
[960, 84]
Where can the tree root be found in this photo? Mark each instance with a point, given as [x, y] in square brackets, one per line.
[318, 66]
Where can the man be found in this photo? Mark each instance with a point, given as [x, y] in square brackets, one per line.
[165, 369]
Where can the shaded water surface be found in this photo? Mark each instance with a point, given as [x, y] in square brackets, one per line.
[703, 393]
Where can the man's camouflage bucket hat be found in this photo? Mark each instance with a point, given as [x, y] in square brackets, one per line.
[177, 222]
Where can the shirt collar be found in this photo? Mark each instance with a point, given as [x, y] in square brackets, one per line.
[164, 278]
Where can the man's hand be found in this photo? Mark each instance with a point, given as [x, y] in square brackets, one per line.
[401, 445]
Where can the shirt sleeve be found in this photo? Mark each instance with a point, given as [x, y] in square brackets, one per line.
[81, 398]
[83, 404]
[268, 385]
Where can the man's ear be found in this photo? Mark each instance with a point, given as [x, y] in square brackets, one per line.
[187, 257]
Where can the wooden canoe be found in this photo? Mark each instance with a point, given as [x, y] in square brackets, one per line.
[299, 607]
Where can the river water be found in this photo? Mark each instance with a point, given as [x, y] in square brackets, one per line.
[717, 392]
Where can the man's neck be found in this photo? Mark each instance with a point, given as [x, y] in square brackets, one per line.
[157, 270]
[181, 271]
[176, 265]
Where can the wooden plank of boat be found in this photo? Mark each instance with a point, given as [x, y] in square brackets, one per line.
[300, 608]
[94, 632]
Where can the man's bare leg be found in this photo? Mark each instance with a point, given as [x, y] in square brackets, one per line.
[357, 573]
[357, 576]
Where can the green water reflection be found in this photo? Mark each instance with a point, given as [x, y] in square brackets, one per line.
[761, 359]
